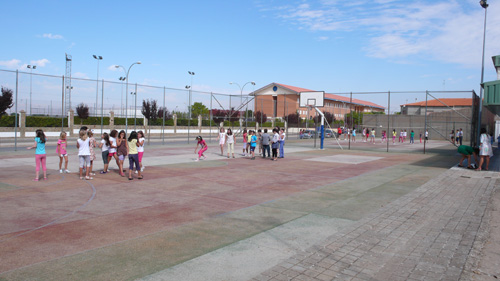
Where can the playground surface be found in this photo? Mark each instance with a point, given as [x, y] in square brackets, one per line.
[314, 215]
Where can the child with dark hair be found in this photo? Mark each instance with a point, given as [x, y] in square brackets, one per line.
[40, 154]
[121, 150]
[203, 148]
[112, 147]
[105, 146]
[253, 144]
[140, 148]
[230, 142]
[133, 155]
[276, 144]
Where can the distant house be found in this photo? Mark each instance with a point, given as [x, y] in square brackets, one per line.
[444, 104]
[278, 100]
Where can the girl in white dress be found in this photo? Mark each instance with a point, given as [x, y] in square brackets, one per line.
[222, 140]
[230, 142]
[485, 150]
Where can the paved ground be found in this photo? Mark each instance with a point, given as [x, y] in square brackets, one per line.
[315, 215]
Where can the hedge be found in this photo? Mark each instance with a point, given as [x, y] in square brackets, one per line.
[40, 122]
[121, 121]
[7, 121]
[93, 121]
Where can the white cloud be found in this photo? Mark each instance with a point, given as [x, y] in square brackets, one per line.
[40, 63]
[449, 31]
[80, 75]
[322, 38]
[11, 64]
[52, 36]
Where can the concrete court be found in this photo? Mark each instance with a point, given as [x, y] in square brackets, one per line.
[217, 219]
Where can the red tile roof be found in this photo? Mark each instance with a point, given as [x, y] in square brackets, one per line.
[330, 96]
[446, 101]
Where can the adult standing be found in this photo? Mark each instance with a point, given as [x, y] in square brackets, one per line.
[460, 136]
[265, 144]
[282, 143]
[275, 145]
[485, 150]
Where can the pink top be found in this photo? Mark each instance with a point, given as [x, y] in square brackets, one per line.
[202, 143]
[245, 137]
[61, 148]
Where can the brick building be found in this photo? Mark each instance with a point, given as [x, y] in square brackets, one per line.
[278, 100]
[443, 104]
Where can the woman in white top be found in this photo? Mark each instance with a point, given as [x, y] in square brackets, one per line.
[229, 139]
[485, 150]
[276, 144]
[282, 143]
[112, 148]
[222, 140]
[140, 149]
[83, 145]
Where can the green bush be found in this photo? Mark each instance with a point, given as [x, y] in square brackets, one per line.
[121, 121]
[93, 121]
[7, 121]
[40, 122]
[159, 122]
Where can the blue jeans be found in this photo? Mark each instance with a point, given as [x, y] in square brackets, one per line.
[264, 149]
[282, 153]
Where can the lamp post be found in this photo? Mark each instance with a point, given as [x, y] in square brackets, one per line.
[241, 93]
[190, 88]
[135, 108]
[484, 5]
[98, 58]
[126, 91]
[31, 67]
[121, 96]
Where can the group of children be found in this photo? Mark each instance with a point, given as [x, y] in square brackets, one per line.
[251, 139]
[113, 145]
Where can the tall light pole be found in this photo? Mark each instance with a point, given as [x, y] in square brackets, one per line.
[241, 93]
[478, 137]
[190, 88]
[98, 58]
[135, 108]
[121, 97]
[126, 91]
[31, 67]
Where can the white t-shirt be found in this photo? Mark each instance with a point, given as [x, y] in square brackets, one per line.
[112, 141]
[140, 148]
[283, 136]
[230, 138]
[105, 147]
[84, 148]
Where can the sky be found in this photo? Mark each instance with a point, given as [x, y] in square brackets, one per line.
[326, 45]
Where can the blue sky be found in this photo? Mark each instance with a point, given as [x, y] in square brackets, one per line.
[330, 45]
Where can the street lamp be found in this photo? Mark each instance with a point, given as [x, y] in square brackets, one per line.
[126, 90]
[121, 96]
[190, 88]
[98, 58]
[484, 5]
[135, 109]
[31, 67]
[241, 93]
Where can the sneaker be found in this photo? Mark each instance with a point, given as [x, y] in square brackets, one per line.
[60, 171]
[142, 169]
[67, 171]
[136, 172]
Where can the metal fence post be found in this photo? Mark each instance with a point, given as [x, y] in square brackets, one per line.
[163, 120]
[15, 121]
[388, 119]
[102, 106]
[425, 119]
[63, 107]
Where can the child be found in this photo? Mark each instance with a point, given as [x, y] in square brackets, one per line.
[92, 145]
[140, 149]
[253, 144]
[259, 139]
[244, 141]
[282, 143]
[63, 154]
[230, 142]
[412, 137]
[203, 148]
[222, 140]
[354, 134]
[275, 145]
[249, 139]
[105, 145]
[121, 150]
[133, 156]
[83, 145]
[40, 155]
[112, 148]
[372, 136]
[394, 136]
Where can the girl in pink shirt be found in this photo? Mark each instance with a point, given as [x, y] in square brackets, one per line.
[203, 145]
[62, 153]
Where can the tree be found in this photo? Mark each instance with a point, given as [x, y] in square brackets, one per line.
[168, 114]
[82, 110]
[199, 109]
[219, 115]
[356, 117]
[293, 118]
[260, 117]
[6, 101]
[149, 109]
[328, 117]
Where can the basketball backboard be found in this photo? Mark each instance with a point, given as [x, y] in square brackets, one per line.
[312, 99]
